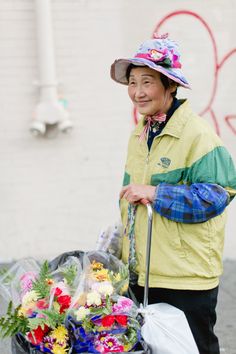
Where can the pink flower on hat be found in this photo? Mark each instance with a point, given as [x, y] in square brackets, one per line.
[175, 60]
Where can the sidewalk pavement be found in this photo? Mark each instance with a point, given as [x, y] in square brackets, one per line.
[226, 311]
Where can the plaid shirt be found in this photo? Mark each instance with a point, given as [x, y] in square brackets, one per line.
[196, 203]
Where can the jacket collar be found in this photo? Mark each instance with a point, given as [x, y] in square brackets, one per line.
[174, 125]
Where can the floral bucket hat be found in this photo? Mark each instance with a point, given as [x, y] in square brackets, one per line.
[160, 54]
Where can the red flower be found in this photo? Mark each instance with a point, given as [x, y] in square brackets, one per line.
[58, 292]
[64, 302]
[118, 348]
[122, 320]
[109, 320]
[36, 336]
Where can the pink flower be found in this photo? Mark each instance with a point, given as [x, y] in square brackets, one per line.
[26, 281]
[106, 343]
[42, 304]
[123, 305]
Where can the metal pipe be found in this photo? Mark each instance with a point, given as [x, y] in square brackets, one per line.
[49, 110]
[148, 249]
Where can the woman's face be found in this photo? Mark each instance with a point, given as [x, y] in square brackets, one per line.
[147, 92]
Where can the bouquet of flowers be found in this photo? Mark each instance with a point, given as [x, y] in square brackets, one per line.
[78, 307]
[39, 302]
[100, 319]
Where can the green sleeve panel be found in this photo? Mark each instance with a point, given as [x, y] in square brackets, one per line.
[172, 177]
[214, 167]
[126, 179]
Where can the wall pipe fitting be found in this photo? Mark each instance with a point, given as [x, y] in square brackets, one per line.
[49, 110]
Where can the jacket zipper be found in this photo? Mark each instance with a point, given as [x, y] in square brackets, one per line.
[147, 161]
[146, 167]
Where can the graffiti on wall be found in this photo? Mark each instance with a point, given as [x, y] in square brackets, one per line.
[229, 119]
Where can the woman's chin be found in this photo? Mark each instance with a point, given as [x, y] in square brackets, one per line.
[145, 112]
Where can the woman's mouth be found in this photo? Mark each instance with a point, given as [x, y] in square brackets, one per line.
[142, 103]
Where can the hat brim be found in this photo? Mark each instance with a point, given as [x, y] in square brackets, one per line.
[120, 66]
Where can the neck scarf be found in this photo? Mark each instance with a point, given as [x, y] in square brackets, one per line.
[151, 120]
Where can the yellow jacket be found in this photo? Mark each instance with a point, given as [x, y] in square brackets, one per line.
[183, 256]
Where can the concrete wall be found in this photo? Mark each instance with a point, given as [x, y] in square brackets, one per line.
[57, 192]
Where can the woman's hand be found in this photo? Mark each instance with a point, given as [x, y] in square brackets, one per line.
[133, 193]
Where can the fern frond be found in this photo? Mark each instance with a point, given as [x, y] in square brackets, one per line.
[12, 322]
[70, 274]
[40, 285]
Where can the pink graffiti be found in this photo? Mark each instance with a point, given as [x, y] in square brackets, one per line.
[217, 67]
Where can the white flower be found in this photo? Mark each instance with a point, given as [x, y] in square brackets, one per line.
[29, 297]
[105, 288]
[81, 313]
[94, 298]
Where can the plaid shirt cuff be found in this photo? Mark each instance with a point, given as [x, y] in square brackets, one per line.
[196, 203]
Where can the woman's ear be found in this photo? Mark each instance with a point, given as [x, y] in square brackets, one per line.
[173, 86]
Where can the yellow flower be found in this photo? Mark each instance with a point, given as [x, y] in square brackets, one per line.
[29, 297]
[26, 308]
[124, 288]
[127, 347]
[49, 281]
[56, 306]
[101, 275]
[22, 311]
[60, 334]
[96, 265]
[57, 349]
[117, 277]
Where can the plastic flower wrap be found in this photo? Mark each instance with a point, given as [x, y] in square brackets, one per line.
[17, 276]
[110, 240]
[100, 320]
[100, 267]
[39, 303]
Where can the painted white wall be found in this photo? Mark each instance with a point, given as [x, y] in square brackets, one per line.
[59, 191]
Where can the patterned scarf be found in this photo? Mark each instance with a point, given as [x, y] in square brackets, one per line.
[129, 231]
[151, 120]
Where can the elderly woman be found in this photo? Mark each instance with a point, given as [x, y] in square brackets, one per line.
[177, 162]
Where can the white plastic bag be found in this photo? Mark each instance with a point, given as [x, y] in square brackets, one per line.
[166, 330]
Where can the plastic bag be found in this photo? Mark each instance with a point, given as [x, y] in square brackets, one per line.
[12, 280]
[19, 345]
[110, 240]
[166, 330]
[64, 275]
[102, 268]
[100, 319]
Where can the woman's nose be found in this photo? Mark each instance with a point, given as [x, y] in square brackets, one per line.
[139, 91]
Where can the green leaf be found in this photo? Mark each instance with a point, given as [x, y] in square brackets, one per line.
[12, 322]
[40, 285]
[70, 273]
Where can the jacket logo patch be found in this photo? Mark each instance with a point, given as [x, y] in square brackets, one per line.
[165, 162]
